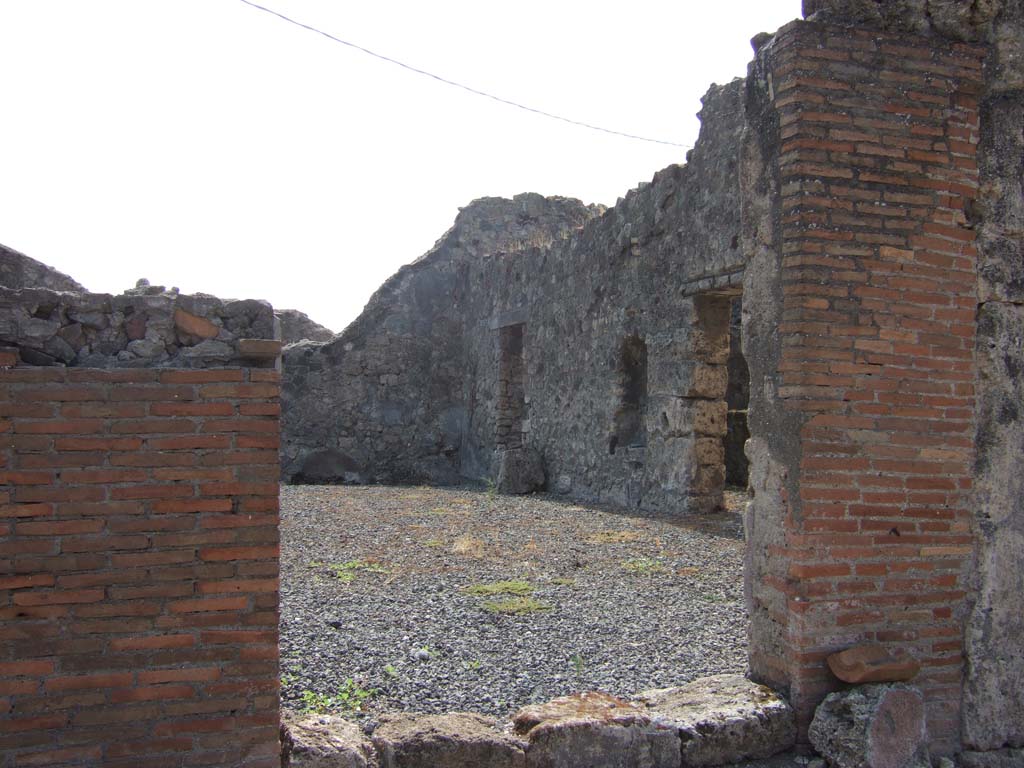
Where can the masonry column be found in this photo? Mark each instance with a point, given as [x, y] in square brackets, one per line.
[863, 144]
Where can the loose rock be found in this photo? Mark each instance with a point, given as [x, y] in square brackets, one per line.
[872, 726]
[589, 729]
[456, 740]
[521, 471]
[324, 741]
[723, 719]
[873, 664]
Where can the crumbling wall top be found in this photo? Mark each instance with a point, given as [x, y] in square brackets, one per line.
[20, 271]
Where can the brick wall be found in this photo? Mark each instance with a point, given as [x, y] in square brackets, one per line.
[876, 168]
[138, 567]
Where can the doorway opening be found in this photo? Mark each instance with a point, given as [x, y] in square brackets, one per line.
[628, 426]
[511, 400]
[737, 397]
[719, 391]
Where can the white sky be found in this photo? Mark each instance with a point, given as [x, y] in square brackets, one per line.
[207, 145]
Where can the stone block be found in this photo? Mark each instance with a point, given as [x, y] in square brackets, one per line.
[135, 326]
[591, 729]
[324, 741]
[209, 351]
[708, 381]
[724, 719]
[873, 664]
[710, 417]
[259, 349]
[709, 450]
[454, 740]
[712, 348]
[59, 349]
[520, 470]
[192, 325]
[997, 758]
[872, 726]
[708, 480]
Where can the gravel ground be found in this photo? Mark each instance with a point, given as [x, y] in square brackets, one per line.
[374, 591]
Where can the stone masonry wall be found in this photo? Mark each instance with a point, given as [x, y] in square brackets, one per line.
[635, 274]
[20, 271]
[383, 401]
[863, 191]
[138, 567]
[994, 693]
[422, 367]
[143, 327]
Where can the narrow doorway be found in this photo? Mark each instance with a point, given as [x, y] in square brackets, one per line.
[737, 396]
[511, 401]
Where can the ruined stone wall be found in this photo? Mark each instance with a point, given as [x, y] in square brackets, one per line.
[627, 280]
[144, 327]
[383, 401]
[138, 537]
[20, 271]
[413, 390]
[863, 191]
[994, 692]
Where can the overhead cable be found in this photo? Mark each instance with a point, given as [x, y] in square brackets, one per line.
[446, 81]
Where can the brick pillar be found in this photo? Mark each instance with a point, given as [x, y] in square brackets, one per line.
[874, 165]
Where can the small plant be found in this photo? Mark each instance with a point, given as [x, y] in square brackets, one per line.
[349, 699]
[469, 546]
[520, 588]
[516, 606]
[347, 571]
[390, 670]
[577, 663]
[492, 488]
[643, 566]
[287, 679]
[434, 543]
[472, 665]
[708, 598]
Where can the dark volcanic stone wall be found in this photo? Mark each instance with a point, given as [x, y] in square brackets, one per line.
[383, 401]
[631, 274]
[298, 326]
[19, 271]
[410, 391]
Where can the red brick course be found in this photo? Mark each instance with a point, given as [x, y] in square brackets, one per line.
[877, 170]
[138, 523]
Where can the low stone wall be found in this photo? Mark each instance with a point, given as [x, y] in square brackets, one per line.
[144, 327]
